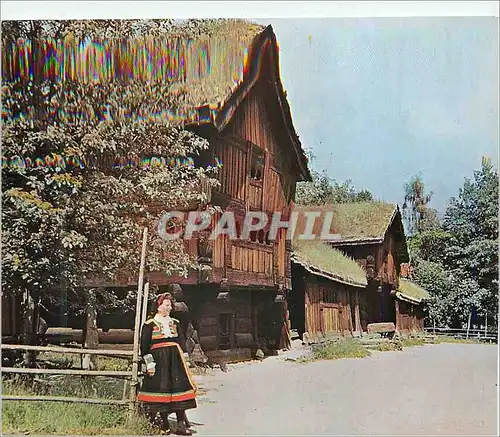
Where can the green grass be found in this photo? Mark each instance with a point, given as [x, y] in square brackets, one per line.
[337, 350]
[355, 220]
[449, 339]
[45, 417]
[355, 348]
[389, 346]
[362, 219]
[412, 341]
[412, 290]
[317, 254]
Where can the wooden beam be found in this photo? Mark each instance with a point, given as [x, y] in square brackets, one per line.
[112, 373]
[63, 399]
[68, 350]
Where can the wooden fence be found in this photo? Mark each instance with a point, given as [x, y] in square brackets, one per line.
[472, 334]
[133, 375]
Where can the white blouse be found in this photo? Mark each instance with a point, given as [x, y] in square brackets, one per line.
[165, 323]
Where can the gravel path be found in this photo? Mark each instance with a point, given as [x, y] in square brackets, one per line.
[434, 389]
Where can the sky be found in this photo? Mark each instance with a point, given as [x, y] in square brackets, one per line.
[378, 100]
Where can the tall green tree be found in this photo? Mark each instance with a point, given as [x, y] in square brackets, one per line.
[69, 214]
[472, 220]
[458, 261]
[415, 206]
[324, 190]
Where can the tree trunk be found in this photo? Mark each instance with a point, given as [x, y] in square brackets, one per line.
[29, 328]
[90, 334]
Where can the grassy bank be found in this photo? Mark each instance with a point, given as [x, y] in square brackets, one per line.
[44, 417]
[360, 348]
[450, 339]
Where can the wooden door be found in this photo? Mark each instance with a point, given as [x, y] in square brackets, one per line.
[330, 318]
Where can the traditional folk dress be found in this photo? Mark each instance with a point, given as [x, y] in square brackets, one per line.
[172, 387]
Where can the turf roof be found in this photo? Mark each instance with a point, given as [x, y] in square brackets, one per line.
[408, 290]
[352, 221]
[322, 260]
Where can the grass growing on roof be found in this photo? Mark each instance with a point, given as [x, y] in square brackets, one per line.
[412, 290]
[363, 219]
[354, 220]
[317, 254]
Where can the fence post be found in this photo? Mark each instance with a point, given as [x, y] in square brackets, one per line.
[145, 303]
[486, 325]
[135, 359]
[468, 324]
[90, 332]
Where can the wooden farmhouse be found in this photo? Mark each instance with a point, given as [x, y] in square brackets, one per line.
[239, 105]
[240, 305]
[371, 234]
[410, 300]
[324, 301]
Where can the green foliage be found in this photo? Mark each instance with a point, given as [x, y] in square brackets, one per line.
[23, 417]
[323, 190]
[472, 219]
[320, 256]
[457, 263]
[340, 349]
[415, 208]
[430, 245]
[80, 218]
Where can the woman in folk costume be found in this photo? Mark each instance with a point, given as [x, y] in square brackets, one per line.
[168, 386]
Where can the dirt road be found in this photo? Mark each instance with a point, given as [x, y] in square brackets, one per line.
[434, 389]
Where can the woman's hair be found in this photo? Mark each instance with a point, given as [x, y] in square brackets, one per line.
[159, 300]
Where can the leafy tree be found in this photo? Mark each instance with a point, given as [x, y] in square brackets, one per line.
[458, 263]
[472, 219]
[430, 245]
[452, 296]
[78, 217]
[325, 190]
[415, 206]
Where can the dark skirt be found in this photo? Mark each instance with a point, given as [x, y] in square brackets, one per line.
[172, 387]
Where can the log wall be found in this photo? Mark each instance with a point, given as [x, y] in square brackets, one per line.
[409, 317]
[328, 308]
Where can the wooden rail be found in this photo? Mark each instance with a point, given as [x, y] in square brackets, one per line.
[133, 355]
[473, 334]
[111, 373]
[64, 399]
[68, 350]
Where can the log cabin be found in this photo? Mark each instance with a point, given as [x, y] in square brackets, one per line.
[410, 307]
[372, 234]
[324, 302]
[237, 102]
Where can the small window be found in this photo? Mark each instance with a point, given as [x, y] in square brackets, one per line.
[225, 331]
[257, 163]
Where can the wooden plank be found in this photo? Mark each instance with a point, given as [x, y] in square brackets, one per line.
[68, 350]
[244, 340]
[243, 324]
[234, 168]
[63, 399]
[208, 343]
[251, 279]
[255, 265]
[111, 373]
[245, 258]
[233, 257]
[250, 260]
[230, 355]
